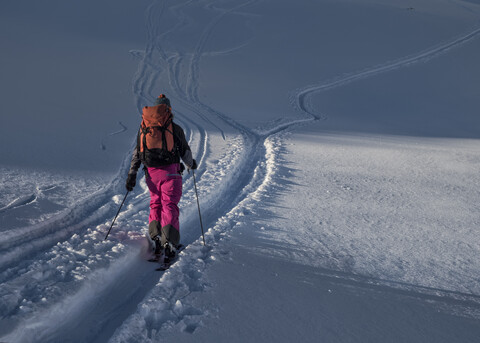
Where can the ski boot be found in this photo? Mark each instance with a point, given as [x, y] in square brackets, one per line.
[170, 251]
[158, 246]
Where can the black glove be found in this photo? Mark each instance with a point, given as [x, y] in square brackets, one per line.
[131, 182]
[182, 168]
[194, 165]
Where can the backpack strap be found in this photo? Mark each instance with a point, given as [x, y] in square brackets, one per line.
[145, 130]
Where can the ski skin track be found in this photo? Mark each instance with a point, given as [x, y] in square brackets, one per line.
[145, 80]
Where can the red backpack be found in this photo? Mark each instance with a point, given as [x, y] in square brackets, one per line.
[157, 144]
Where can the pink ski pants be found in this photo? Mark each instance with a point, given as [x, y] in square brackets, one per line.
[165, 185]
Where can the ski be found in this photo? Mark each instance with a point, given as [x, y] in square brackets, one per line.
[164, 266]
[166, 261]
[170, 259]
[155, 259]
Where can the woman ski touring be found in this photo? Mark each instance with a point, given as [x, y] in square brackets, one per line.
[160, 145]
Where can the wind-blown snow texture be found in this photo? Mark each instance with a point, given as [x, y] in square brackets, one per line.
[338, 150]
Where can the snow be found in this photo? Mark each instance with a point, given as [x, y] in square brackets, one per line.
[338, 150]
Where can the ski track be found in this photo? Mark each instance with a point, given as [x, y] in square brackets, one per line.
[21, 201]
[86, 266]
[300, 98]
[104, 140]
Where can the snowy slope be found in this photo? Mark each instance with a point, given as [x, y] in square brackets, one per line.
[338, 172]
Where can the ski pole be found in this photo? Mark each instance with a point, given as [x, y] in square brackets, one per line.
[116, 215]
[198, 205]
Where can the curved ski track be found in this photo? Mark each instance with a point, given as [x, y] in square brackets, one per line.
[95, 282]
[300, 98]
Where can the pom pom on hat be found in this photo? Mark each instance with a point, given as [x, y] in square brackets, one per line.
[162, 99]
